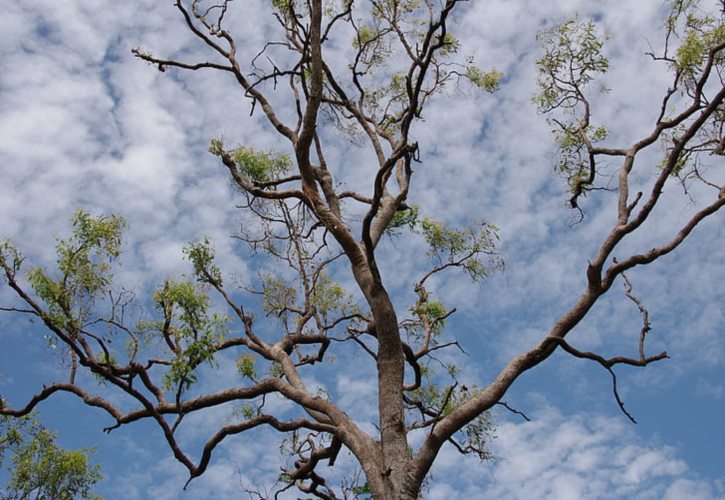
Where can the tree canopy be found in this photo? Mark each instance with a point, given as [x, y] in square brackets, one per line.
[38, 467]
[324, 235]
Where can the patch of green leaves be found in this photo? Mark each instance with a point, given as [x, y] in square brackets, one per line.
[282, 5]
[364, 36]
[329, 297]
[261, 166]
[195, 332]
[407, 218]
[201, 255]
[10, 258]
[196, 352]
[247, 412]
[451, 44]
[84, 266]
[277, 296]
[216, 147]
[40, 468]
[255, 165]
[463, 248]
[573, 156]
[390, 8]
[433, 312]
[246, 366]
[104, 360]
[701, 34]
[486, 80]
[572, 57]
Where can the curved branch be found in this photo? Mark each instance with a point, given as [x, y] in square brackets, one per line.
[96, 401]
[608, 364]
[232, 429]
[619, 267]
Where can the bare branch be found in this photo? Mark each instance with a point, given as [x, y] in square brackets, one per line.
[513, 410]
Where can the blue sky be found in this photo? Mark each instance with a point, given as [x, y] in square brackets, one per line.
[84, 124]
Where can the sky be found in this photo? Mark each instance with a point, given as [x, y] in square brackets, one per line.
[83, 124]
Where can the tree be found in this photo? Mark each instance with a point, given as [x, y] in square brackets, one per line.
[40, 468]
[402, 55]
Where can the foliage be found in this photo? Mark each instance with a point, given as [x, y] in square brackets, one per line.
[84, 265]
[573, 158]
[245, 366]
[329, 298]
[701, 33]
[406, 218]
[201, 256]
[283, 5]
[432, 312]
[254, 165]
[193, 331]
[278, 296]
[316, 243]
[260, 166]
[462, 248]
[40, 468]
[699, 54]
[572, 58]
[486, 80]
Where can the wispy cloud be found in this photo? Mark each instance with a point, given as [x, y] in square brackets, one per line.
[83, 124]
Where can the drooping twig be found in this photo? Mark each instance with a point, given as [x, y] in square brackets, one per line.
[646, 325]
[514, 410]
[608, 364]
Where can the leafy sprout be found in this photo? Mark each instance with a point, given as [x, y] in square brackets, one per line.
[572, 58]
[84, 265]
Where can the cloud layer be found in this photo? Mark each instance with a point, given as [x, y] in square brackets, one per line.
[83, 124]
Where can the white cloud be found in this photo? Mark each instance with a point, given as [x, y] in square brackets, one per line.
[84, 124]
[559, 456]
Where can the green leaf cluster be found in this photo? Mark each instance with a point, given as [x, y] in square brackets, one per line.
[572, 154]
[255, 165]
[325, 297]
[364, 36]
[389, 82]
[277, 296]
[282, 5]
[216, 147]
[84, 264]
[394, 8]
[246, 366]
[103, 359]
[373, 43]
[701, 34]
[201, 255]
[10, 257]
[402, 219]
[195, 332]
[462, 248]
[433, 312]
[40, 468]
[261, 166]
[486, 80]
[451, 44]
[329, 297]
[573, 56]
[247, 412]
